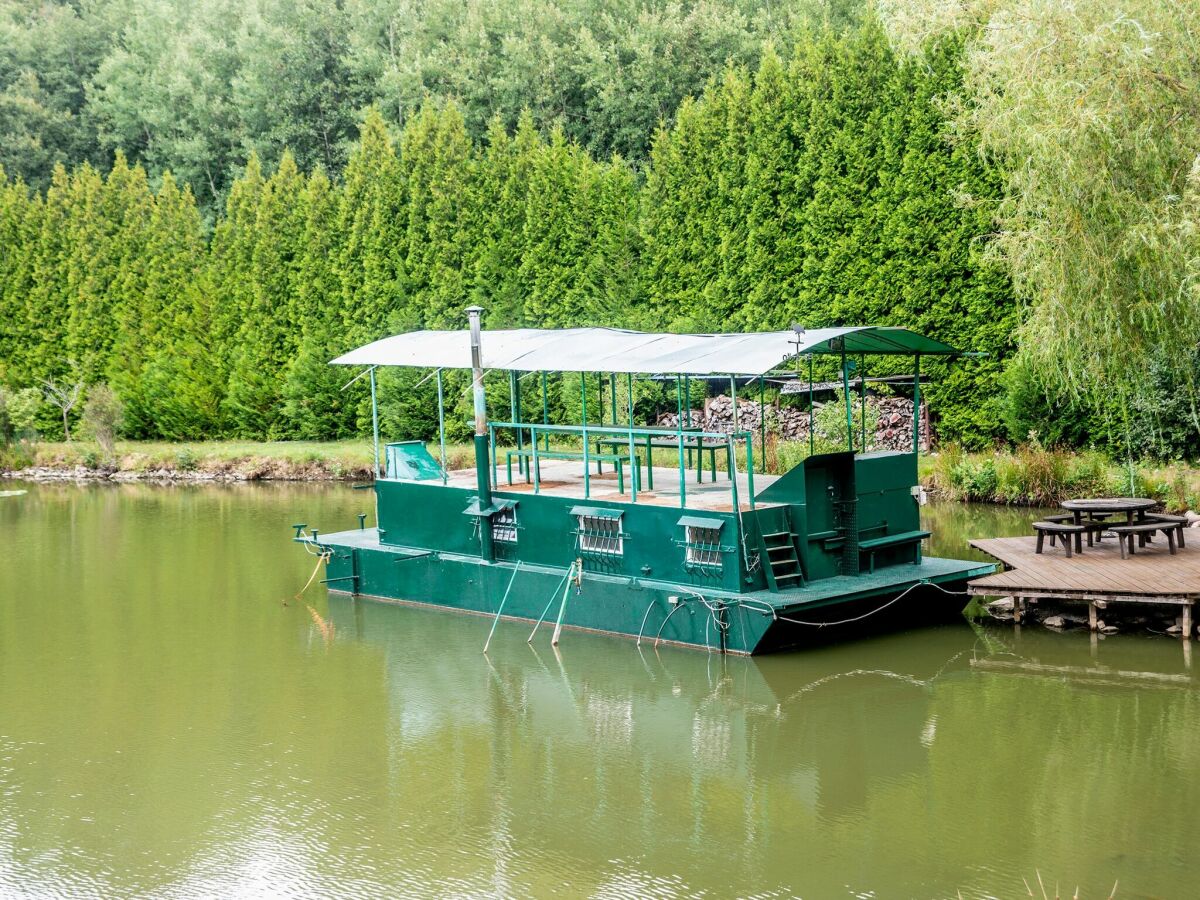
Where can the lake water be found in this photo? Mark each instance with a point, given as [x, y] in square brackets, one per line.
[169, 727]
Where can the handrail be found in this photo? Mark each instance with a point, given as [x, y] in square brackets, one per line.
[618, 430]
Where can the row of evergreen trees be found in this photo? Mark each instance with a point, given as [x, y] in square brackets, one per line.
[822, 191]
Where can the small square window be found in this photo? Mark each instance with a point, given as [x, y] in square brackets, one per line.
[504, 525]
[601, 534]
[703, 545]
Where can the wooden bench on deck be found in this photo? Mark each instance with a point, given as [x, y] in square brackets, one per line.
[1125, 534]
[1063, 530]
[891, 540]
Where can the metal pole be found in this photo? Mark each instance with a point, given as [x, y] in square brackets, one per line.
[587, 475]
[846, 398]
[442, 425]
[687, 399]
[600, 398]
[917, 404]
[679, 438]
[762, 424]
[375, 421]
[862, 399]
[482, 478]
[500, 608]
[545, 409]
[612, 393]
[733, 397]
[811, 436]
[633, 479]
[749, 436]
[514, 407]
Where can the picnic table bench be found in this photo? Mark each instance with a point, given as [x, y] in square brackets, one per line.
[618, 460]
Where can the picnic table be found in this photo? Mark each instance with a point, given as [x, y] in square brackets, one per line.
[669, 440]
[1096, 507]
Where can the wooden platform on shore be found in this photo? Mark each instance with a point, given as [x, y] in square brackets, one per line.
[1150, 575]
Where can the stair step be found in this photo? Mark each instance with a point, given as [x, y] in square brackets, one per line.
[787, 577]
[787, 547]
[777, 534]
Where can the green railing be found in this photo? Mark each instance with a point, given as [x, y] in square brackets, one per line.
[684, 440]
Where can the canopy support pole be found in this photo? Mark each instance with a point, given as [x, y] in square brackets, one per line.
[545, 409]
[846, 397]
[917, 404]
[442, 425]
[679, 439]
[687, 399]
[633, 465]
[811, 435]
[483, 480]
[514, 406]
[612, 392]
[375, 421]
[587, 466]
[600, 398]
[862, 399]
[762, 425]
[733, 397]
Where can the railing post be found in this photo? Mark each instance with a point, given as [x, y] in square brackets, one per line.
[537, 469]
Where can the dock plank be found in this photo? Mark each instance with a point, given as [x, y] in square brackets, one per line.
[1099, 570]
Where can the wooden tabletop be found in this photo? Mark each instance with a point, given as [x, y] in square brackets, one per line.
[1109, 504]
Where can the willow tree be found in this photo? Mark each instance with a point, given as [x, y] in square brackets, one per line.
[1092, 113]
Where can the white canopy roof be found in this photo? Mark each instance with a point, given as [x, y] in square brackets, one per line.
[615, 350]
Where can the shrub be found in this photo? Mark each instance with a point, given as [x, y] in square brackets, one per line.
[186, 459]
[103, 416]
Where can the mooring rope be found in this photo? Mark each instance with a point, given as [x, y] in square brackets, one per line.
[895, 599]
[322, 558]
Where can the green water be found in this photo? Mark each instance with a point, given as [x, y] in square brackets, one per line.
[169, 728]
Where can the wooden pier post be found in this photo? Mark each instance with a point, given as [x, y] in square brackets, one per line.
[1187, 621]
[1092, 623]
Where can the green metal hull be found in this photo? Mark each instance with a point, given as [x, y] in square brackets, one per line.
[746, 623]
[807, 554]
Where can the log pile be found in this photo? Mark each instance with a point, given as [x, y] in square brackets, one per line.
[893, 420]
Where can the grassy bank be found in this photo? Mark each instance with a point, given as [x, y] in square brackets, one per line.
[284, 460]
[1036, 476]
[1029, 475]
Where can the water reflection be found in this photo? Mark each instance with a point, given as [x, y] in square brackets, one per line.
[170, 728]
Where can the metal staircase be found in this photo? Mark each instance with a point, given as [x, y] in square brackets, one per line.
[781, 563]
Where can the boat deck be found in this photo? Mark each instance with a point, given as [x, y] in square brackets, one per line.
[564, 478]
[1098, 573]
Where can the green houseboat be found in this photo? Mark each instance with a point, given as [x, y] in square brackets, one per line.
[585, 532]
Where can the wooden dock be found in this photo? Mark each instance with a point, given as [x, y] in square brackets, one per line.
[1097, 576]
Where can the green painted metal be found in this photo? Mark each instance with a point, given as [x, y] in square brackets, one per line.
[587, 469]
[762, 424]
[633, 481]
[849, 408]
[545, 408]
[811, 435]
[679, 438]
[375, 421]
[441, 424]
[917, 403]
[862, 401]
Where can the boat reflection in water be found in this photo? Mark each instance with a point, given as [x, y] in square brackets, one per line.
[857, 764]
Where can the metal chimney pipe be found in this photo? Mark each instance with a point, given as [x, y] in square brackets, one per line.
[482, 463]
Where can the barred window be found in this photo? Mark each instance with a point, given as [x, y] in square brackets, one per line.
[703, 545]
[601, 534]
[504, 525]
